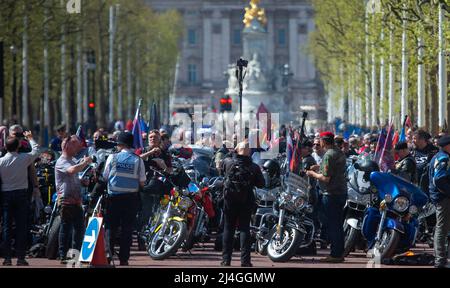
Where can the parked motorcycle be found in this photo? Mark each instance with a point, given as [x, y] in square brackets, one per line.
[360, 195]
[392, 227]
[294, 228]
[168, 228]
[427, 224]
[201, 212]
[260, 226]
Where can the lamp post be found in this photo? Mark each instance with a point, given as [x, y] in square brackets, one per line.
[212, 98]
[14, 86]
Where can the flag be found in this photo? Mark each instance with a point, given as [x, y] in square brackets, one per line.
[380, 144]
[138, 143]
[263, 141]
[154, 118]
[386, 161]
[144, 127]
[296, 155]
[408, 123]
[81, 136]
[289, 148]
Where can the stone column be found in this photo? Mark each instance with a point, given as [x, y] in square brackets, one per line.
[270, 40]
[207, 57]
[294, 52]
[226, 43]
[311, 71]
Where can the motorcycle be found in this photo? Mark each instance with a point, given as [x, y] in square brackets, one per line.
[427, 224]
[392, 227]
[294, 228]
[168, 228]
[265, 199]
[201, 212]
[360, 195]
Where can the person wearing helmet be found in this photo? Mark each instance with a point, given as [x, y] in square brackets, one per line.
[271, 168]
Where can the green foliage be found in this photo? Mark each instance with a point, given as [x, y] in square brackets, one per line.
[150, 39]
[339, 41]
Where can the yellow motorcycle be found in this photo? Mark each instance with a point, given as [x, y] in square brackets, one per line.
[168, 229]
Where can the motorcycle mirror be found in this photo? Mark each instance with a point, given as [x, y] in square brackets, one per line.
[205, 181]
[48, 210]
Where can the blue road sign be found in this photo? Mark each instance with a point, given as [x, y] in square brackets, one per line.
[90, 239]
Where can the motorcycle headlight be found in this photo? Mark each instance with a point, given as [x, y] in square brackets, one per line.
[48, 210]
[401, 204]
[185, 203]
[286, 197]
[299, 202]
[413, 209]
[388, 198]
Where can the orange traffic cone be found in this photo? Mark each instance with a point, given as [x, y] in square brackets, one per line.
[99, 258]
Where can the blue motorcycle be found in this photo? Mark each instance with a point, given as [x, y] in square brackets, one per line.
[391, 227]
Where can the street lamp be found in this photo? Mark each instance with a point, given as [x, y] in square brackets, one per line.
[212, 98]
[286, 75]
[14, 88]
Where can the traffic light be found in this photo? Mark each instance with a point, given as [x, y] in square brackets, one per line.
[226, 104]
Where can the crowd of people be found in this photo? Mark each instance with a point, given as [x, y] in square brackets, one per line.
[131, 182]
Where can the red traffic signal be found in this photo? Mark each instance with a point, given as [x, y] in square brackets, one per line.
[92, 105]
[225, 103]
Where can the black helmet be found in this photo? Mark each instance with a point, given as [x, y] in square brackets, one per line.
[272, 167]
[368, 166]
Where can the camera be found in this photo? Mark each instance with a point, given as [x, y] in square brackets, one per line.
[19, 135]
[103, 143]
[242, 63]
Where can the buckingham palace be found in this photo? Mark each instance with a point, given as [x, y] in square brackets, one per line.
[213, 41]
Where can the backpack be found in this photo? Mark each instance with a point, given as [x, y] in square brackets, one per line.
[238, 183]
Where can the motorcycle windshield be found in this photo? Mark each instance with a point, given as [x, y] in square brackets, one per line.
[386, 183]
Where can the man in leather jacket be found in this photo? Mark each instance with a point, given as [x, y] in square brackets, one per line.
[405, 167]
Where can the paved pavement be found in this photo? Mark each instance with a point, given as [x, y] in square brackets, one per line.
[204, 256]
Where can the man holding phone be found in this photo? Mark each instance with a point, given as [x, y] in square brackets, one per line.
[68, 187]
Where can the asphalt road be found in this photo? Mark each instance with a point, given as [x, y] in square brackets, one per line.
[204, 256]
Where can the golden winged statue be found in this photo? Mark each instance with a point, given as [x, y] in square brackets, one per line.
[254, 12]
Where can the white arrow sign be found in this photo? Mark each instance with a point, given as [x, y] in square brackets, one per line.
[90, 239]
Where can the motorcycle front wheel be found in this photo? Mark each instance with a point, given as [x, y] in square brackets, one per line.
[164, 244]
[261, 247]
[281, 249]
[52, 245]
[351, 234]
[386, 246]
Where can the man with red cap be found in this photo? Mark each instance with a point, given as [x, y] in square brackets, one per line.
[333, 186]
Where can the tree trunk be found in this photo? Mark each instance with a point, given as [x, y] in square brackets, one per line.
[443, 97]
[25, 98]
[421, 104]
[404, 99]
